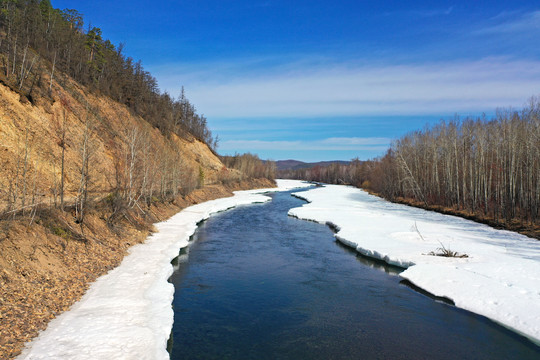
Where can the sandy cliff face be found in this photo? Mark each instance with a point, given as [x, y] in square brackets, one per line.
[31, 143]
[47, 258]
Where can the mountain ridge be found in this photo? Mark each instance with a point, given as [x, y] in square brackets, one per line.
[291, 164]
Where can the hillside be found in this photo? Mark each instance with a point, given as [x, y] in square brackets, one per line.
[133, 175]
[82, 178]
[31, 136]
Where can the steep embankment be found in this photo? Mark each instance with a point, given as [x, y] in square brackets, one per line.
[32, 138]
[44, 270]
[119, 171]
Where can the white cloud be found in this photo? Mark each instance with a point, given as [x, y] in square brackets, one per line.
[329, 144]
[229, 90]
[508, 24]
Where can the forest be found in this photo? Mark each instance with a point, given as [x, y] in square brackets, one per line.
[39, 41]
[92, 154]
[480, 166]
[250, 166]
[91, 148]
[483, 168]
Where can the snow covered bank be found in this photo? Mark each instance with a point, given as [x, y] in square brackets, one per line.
[127, 314]
[500, 279]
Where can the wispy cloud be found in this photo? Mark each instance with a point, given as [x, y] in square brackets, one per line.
[329, 144]
[349, 89]
[512, 23]
[424, 13]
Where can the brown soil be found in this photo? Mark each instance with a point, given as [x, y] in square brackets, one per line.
[47, 260]
[31, 144]
[47, 266]
[531, 230]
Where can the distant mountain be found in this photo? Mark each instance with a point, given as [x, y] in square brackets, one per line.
[295, 164]
[288, 164]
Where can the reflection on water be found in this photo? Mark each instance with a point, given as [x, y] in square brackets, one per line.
[371, 262]
[183, 256]
[261, 285]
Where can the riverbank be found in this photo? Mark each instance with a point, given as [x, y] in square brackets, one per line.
[46, 267]
[257, 284]
[528, 229]
[498, 278]
[128, 310]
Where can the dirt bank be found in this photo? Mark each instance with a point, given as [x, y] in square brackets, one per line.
[47, 266]
[528, 229]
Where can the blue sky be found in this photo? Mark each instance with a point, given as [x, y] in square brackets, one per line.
[328, 80]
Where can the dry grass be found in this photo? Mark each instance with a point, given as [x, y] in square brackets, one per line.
[47, 260]
[440, 251]
[528, 229]
[47, 266]
[444, 252]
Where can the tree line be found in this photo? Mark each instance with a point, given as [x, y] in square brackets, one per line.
[38, 42]
[485, 167]
[250, 166]
[138, 168]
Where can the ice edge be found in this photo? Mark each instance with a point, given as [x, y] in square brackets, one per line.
[328, 209]
[127, 312]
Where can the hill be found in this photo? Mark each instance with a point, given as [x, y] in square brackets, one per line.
[120, 174]
[91, 154]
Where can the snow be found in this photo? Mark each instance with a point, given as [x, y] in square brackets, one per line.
[500, 279]
[127, 313]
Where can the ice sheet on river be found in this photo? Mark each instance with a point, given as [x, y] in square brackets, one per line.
[500, 279]
[127, 314]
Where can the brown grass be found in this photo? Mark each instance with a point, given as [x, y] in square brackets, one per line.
[531, 230]
[47, 266]
[47, 260]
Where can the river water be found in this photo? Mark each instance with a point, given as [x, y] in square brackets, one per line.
[257, 284]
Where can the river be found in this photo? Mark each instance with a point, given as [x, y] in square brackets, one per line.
[257, 284]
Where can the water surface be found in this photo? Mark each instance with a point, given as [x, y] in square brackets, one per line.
[257, 284]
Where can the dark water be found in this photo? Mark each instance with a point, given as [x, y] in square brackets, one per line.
[261, 285]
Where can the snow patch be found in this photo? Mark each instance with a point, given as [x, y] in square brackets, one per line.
[127, 313]
[500, 279]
